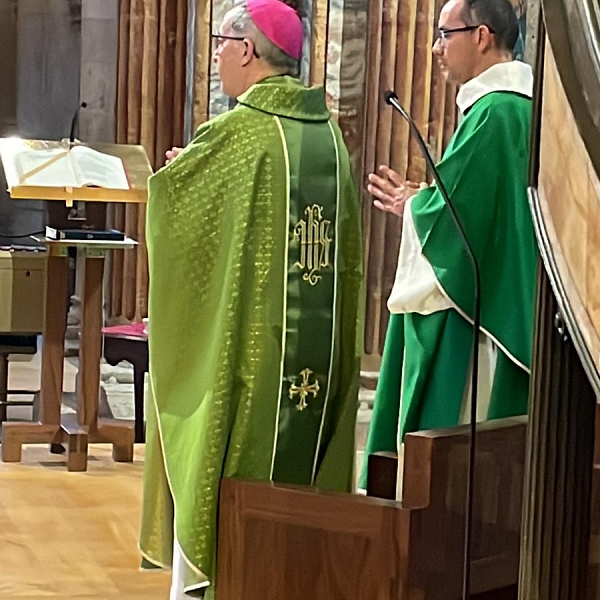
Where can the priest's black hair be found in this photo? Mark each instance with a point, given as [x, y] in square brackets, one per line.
[498, 15]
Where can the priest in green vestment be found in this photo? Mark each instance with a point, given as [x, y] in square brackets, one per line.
[426, 368]
[255, 257]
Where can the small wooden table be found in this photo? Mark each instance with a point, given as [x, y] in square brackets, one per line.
[130, 343]
[73, 430]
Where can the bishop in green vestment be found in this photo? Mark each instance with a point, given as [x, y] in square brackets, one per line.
[254, 246]
[425, 373]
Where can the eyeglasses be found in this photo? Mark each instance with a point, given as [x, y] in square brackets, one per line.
[444, 33]
[218, 40]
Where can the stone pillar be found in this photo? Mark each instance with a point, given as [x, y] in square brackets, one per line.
[99, 49]
[556, 506]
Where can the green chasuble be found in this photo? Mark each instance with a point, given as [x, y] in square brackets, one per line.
[255, 260]
[427, 357]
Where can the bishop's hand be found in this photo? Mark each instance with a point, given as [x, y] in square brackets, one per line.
[172, 154]
[390, 190]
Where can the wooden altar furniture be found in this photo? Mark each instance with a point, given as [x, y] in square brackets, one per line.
[74, 430]
[123, 180]
[278, 541]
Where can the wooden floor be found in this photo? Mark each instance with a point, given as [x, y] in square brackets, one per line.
[73, 536]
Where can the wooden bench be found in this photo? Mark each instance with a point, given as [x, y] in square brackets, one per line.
[296, 543]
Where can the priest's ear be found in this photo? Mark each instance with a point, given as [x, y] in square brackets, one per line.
[487, 38]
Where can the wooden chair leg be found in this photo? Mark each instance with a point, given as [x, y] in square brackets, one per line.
[3, 387]
[138, 375]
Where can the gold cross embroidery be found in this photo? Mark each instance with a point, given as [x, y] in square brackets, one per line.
[304, 389]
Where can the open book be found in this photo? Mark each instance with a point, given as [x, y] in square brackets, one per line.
[75, 167]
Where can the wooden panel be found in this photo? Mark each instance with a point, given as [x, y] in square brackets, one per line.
[593, 578]
[570, 193]
[556, 518]
[435, 480]
[297, 543]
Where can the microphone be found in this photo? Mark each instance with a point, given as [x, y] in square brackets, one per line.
[75, 122]
[391, 98]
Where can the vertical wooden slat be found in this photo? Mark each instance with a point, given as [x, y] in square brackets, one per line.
[370, 138]
[150, 72]
[369, 148]
[151, 58]
[319, 35]
[421, 87]
[437, 105]
[383, 29]
[380, 254]
[436, 112]
[179, 68]
[203, 61]
[123, 69]
[116, 305]
[134, 125]
[118, 221]
[407, 19]
[129, 264]
[165, 93]
[450, 112]
[141, 273]
[134, 71]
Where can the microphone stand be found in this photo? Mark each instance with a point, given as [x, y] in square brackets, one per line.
[77, 212]
[392, 99]
[75, 123]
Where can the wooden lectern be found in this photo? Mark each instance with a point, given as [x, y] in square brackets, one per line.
[53, 428]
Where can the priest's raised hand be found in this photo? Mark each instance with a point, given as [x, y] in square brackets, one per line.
[390, 190]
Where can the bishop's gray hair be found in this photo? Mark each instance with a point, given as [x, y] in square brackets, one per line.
[241, 24]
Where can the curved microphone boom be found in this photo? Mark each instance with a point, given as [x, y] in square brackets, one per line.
[392, 99]
[75, 122]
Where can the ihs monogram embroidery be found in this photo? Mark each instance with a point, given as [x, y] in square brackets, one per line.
[315, 243]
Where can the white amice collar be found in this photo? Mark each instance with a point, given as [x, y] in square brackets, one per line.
[514, 76]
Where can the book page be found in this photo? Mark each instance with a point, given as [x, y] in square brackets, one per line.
[48, 168]
[94, 168]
